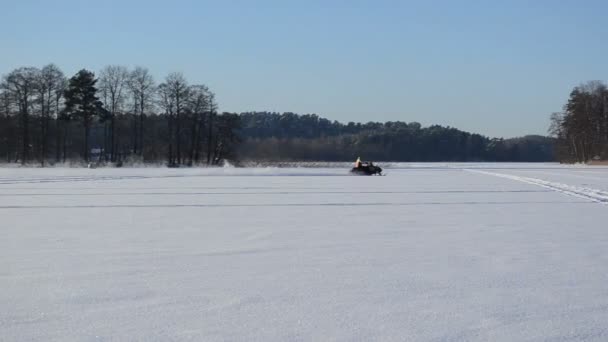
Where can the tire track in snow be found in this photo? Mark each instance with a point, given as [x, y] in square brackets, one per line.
[591, 194]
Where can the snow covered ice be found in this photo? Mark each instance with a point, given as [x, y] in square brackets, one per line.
[432, 252]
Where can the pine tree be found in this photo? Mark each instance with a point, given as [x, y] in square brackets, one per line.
[82, 103]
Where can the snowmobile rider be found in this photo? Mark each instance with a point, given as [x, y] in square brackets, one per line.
[358, 163]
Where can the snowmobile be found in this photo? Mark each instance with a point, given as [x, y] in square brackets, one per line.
[366, 169]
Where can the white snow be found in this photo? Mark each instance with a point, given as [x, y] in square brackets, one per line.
[431, 252]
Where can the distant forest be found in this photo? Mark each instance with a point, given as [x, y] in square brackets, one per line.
[288, 136]
[125, 116]
[581, 129]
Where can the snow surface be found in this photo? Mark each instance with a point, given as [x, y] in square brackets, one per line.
[431, 252]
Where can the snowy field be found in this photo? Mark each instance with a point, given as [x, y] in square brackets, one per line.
[431, 252]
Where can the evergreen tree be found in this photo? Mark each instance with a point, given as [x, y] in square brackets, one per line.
[81, 102]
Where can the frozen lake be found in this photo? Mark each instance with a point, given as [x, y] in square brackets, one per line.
[432, 252]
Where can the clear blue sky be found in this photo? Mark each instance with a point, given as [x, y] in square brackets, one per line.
[494, 67]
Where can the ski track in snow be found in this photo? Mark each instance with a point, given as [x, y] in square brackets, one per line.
[591, 194]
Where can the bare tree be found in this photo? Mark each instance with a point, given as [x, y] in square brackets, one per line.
[21, 85]
[175, 91]
[198, 106]
[166, 101]
[210, 116]
[141, 84]
[556, 124]
[113, 80]
[59, 118]
[7, 134]
[556, 130]
[51, 83]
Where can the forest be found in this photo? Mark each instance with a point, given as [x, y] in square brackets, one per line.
[581, 129]
[123, 116]
[288, 136]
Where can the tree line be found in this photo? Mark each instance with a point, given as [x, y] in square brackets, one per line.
[123, 115]
[581, 128]
[120, 115]
[288, 136]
